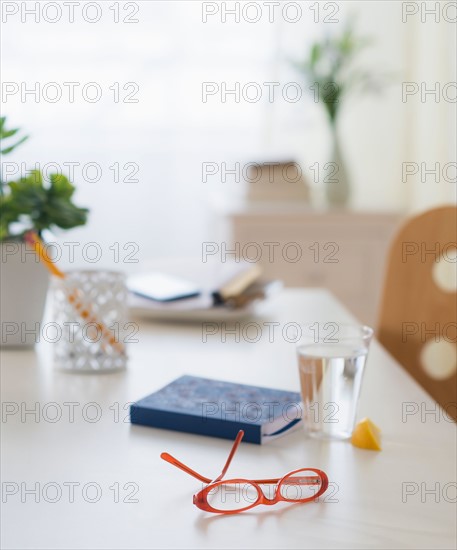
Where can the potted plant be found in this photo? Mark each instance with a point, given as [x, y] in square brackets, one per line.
[27, 203]
[329, 69]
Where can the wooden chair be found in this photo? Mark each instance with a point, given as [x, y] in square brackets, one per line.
[418, 318]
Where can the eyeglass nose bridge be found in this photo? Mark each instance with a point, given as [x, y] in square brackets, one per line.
[268, 501]
[264, 499]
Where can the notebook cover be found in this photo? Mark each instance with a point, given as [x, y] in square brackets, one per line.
[212, 407]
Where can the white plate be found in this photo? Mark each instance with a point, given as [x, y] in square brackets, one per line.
[209, 314]
[193, 309]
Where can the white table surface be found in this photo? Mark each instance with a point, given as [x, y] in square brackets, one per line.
[366, 511]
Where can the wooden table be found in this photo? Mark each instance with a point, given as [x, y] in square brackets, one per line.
[111, 489]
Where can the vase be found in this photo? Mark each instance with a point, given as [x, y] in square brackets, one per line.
[90, 309]
[23, 288]
[337, 188]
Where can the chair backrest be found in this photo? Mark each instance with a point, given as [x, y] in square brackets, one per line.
[418, 318]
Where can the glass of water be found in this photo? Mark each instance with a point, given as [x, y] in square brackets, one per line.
[331, 361]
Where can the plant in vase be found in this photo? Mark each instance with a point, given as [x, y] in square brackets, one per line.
[26, 203]
[329, 69]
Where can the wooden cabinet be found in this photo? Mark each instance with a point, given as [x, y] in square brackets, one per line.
[343, 251]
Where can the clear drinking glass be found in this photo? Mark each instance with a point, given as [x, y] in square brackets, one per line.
[331, 361]
[90, 312]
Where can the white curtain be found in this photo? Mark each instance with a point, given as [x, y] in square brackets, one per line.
[170, 132]
[432, 112]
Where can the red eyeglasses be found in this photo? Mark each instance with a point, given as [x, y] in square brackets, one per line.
[231, 496]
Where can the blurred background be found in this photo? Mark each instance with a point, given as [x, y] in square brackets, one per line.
[140, 150]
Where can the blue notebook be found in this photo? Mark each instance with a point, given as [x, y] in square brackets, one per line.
[219, 409]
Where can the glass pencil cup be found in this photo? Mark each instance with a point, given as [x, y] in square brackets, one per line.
[331, 362]
[90, 312]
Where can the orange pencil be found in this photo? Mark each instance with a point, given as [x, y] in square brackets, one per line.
[74, 296]
[32, 238]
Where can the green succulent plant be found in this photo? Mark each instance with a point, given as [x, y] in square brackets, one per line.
[34, 203]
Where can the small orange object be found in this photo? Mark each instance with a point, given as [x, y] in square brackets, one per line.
[366, 435]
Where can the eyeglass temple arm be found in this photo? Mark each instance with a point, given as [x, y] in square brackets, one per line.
[178, 464]
[175, 462]
[235, 446]
[306, 480]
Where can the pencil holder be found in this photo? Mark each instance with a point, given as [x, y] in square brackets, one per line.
[90, 317]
